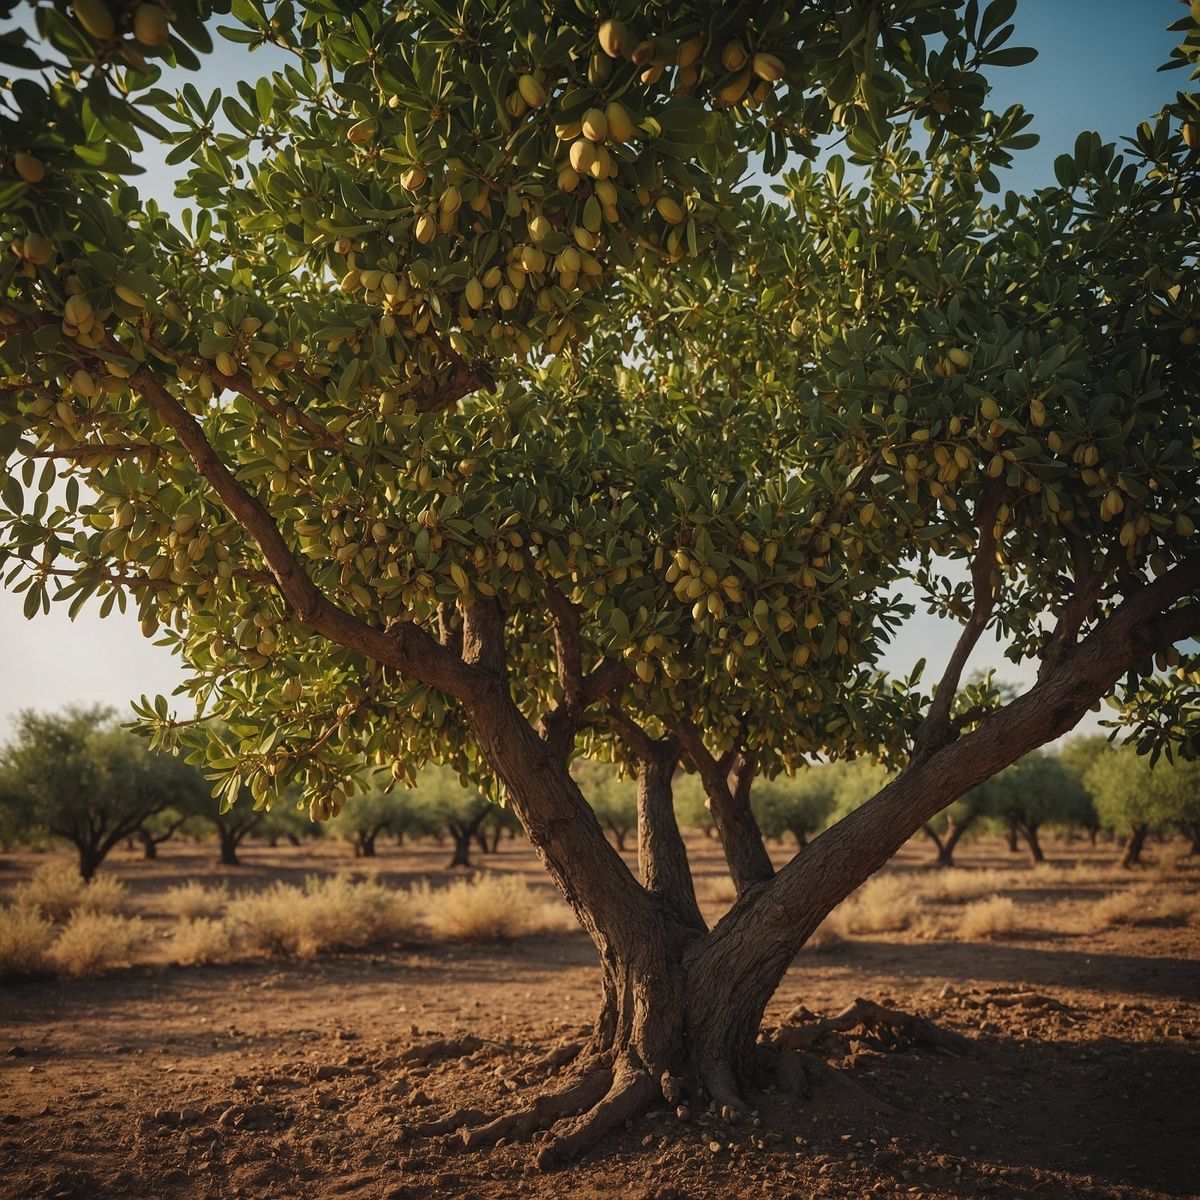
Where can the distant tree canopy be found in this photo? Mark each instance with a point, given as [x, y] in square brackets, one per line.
[78, 776]
[800, 805]
[1134, 796]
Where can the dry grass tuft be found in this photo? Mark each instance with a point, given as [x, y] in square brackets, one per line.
[199, 941]
[832, 933]
[957, 885]
[997, 916]
[192, 899]
[1142, 905]
[95, 942]
[57, 889]
[716, 889]
[333, 913]
[25, 936]
[884, 904]
[488, 908]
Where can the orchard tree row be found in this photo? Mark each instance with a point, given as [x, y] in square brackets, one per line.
[480, 411]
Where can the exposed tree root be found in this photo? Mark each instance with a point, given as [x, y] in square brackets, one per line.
[559, 1057]
[885, 1027]
[631, 1091]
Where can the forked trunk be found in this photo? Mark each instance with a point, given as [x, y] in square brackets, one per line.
[462, 849]
[149, 846]
[1029, 831]
[1132, 854]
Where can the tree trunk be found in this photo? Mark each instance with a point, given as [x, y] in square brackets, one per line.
[462, 849]
[944, 853]
[618, 833]
[229, 847]
[481, 840]
[90, 859]
[1010, 836]
[494, 841]
[149, 845]
[801, 836]
[367, 844]
[1132, 856]
[1191, 831]
[1029, 831]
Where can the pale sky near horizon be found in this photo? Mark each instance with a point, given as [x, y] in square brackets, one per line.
[1096, 71]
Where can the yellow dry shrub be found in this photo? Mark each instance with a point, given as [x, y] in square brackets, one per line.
[192, 899]
[489, 908]
[957, 885]
[57, 889]
[25, 936]
[94, 942]
[198, 941]
[997, 916]
[832, 932]
[333, 913]
[884, 904]
[1141, 905]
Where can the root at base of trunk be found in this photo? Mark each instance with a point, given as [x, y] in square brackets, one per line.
[886, 1027]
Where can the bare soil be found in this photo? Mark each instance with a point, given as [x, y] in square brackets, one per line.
[281, 1080]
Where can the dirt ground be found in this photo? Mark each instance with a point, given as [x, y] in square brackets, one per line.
[288, 1080]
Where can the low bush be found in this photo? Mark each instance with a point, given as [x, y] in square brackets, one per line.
[199, 941]
[489, 908]
[884, 904]
[57, 889]
[832, 932]
[957, 885]
[25, 936]
[998, 916]
[331, 913]
[192, 899]
[94, 942]
[1141, 906]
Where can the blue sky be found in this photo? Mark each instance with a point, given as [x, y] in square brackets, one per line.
[1096, 71]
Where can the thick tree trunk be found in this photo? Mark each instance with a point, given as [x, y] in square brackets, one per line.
[1132, 855]
[494, 838]
[229, 847]
[801, 836]
[944, 854]
[1029, 831]
[149, 845]
[90, 858]
[462, 849]
[367, 844]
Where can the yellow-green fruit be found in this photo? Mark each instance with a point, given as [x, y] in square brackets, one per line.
[226, 363]
[539, 228]
[620, 125]
[474, 292]
[669, 210]
[768, 67]
[989, 409]
[95, 18]
[83, 384]
[291, 690]
[506, 298]
[735, 89]
[28, 167]
[568, 179]
[351, 281]
[645, 670]
[614, 38]
[150, 25]
[414, 178]
[426, 229]
[1191, 136]
[531, 91]
[583, 156]
[689, 51]
[1189, 336]
[594, 125]
[1184, 526]
[533, 259]
[959, 357]
[733, 57]
[362, 132]
[77, 311]
[37, 250]
[451, 200]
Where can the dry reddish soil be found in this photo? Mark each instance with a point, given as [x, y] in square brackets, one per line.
[281, 1080]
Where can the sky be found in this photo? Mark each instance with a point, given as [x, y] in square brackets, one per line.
[1096, 71]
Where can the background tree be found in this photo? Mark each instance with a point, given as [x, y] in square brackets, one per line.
[1037, 791]
[478, 397]
[800, 805]
[1134, 796]
[285, 821]
[613, 798]
[78, 776]
[380, 810]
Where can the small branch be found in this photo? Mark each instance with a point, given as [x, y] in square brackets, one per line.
[1089, 584]
[121, 450]
[937, 725]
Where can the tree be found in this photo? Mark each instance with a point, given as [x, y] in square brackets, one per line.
[1039, 790]
[612, 796]
[380, 810]
[441, 801]
[1134, 795]
[79, 777]
[289, 822]
[800, 806]
[480, 414]
[947, 830]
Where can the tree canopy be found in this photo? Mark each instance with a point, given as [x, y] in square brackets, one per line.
[481, 410]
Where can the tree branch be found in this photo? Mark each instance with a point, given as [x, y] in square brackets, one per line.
[937, 728]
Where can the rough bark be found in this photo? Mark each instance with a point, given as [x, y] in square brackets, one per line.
[1131, 856]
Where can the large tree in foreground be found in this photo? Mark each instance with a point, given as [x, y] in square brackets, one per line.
[479, 414]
